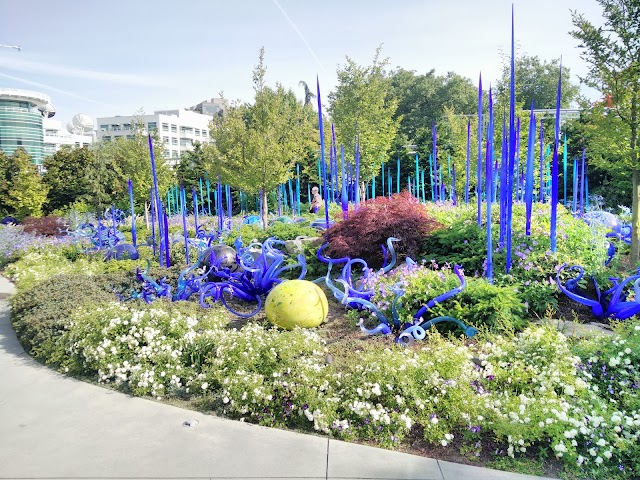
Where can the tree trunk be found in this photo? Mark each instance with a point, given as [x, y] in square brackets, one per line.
[265, 209]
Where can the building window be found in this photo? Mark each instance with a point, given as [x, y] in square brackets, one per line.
[106, 138]
[174, 129]
[151, 126]
[104, 128]
[174, 141]
[197, 132]
[165, 140]
[165, 127]
[174, 154]
[165, 154]
[205, 133]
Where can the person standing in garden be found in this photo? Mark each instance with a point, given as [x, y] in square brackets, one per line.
[316, 200]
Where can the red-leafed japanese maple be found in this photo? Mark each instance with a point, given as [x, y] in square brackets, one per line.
[362, 234]
[49, 226]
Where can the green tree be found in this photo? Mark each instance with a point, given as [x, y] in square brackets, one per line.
[65, 176]
[5, 182]
[536, 80]
[612, 51]
[606, 140]
[122, 159]
[422, 100]
[258, 145]
[363, 109]
[22, 188]
[193, 166]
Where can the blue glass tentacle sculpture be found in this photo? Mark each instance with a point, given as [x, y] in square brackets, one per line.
[611, 303]
[188, 283]
[100, 236]
[445, 296]
[150, 288]
[415, 330]
[115, 215]
[258, 275]
[351, 289]
[615, 229]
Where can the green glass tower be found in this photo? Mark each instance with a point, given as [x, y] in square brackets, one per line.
[21, 113]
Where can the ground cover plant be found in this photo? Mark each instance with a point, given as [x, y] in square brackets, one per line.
[517, 391]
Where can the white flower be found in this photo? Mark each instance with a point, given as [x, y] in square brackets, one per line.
[601, 442]
[560, 447]
[607, 454]
[205, 385]
[225, 400]
[599, 460]
[569, 390]
[444, 443]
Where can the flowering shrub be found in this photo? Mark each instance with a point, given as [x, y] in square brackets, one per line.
[38, 265]
[610, 366]
[13, 239]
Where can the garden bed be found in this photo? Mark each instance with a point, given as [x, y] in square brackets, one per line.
[517, 396]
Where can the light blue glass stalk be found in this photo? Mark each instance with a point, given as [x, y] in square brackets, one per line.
[344, 201]
[528, 185]
[467, 171]
[489, 186]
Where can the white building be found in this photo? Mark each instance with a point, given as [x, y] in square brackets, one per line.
[215, 106]
[178, 129]
[56, 135]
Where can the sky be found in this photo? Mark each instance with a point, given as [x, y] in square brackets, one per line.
[117, 58]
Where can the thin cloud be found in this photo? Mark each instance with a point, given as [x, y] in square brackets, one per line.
[53, 89]
[297, 30]
[28, 66]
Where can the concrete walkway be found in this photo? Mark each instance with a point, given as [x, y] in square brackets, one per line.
[52, 426]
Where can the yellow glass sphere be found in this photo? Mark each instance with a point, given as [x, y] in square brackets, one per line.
[296, 303]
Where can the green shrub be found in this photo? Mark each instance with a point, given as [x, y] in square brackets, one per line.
[39, 313]
[480, 303]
